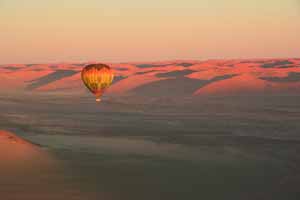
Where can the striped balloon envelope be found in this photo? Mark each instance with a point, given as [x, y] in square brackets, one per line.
[97, 78]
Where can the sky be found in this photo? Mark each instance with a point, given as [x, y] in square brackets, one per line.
[34, 31]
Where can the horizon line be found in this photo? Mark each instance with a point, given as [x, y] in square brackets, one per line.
[148, 61]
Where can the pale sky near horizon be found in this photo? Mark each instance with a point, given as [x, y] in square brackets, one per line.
[33, 31]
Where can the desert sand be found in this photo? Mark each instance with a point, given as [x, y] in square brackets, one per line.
[196, 78]
[30, 173]
[165, 130]
[15, 151]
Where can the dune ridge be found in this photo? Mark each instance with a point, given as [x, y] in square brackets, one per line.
[248, 75]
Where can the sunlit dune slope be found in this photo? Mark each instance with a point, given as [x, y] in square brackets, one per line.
[184, 78]
[244, 83]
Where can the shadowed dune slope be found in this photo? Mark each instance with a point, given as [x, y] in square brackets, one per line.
[175, 78]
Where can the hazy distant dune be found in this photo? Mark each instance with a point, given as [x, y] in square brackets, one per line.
[277, 64]
[56, 75]
[183, 78]
[236, 85]
[175, 74]
[127, 84]
[292, 77]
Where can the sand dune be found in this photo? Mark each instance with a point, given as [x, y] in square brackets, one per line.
[15, 151]
[30, 173]
[236, 85]
[251, 75]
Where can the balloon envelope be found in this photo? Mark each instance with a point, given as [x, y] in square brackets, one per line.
[97, 78]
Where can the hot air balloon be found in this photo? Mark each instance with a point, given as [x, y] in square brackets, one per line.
[97, 78]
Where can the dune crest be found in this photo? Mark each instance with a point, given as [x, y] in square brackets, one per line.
[251, 76]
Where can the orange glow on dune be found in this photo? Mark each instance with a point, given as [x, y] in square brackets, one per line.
[220, 76]
[67, 83]
[239, 84]
[132, 82]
